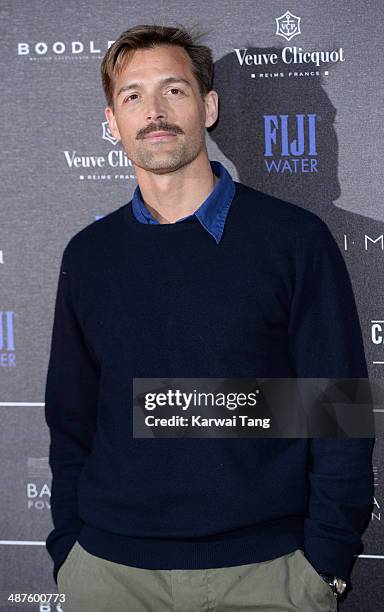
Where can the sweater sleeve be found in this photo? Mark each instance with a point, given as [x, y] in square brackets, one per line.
[70, 413]
[326, 342]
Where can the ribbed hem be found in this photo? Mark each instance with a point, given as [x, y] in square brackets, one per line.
[251, 545]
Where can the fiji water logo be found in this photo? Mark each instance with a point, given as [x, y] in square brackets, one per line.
[7, 341]
[288, 25]
[284, 154]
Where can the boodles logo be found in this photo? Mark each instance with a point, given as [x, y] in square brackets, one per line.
[288, 25]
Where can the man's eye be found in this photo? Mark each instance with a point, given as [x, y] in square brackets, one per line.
[175, 89]
[128, 97]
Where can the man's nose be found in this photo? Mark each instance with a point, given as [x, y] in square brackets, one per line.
[155, 108]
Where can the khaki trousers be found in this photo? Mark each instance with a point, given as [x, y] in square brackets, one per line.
[284, 584]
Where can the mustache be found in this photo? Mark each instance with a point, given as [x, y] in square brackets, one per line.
[164, 127]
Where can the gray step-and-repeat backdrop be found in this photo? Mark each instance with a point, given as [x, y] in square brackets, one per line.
[301, 90]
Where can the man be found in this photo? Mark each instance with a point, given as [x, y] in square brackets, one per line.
[197, 276]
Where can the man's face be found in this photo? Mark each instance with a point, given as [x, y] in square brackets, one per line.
[144, 103]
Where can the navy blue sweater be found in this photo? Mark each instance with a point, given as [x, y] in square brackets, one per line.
[272, 299]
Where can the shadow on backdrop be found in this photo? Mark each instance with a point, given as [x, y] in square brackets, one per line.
[240, 134]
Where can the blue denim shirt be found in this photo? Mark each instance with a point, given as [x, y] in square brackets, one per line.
[212, 212]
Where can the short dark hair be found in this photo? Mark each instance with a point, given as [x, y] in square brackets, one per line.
[150, 36]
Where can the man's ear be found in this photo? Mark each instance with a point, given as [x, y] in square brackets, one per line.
[211, 103]
[112, 123]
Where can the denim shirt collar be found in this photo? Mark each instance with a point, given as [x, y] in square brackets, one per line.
[213, 211]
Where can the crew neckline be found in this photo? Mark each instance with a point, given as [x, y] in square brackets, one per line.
[135, 224]
[130, 218]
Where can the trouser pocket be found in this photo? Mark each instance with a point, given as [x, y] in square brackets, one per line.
[318, 590]
[66, 568]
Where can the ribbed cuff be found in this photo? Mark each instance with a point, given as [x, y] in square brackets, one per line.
[330, 556]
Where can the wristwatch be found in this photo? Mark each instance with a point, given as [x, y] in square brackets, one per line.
[338, 585]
